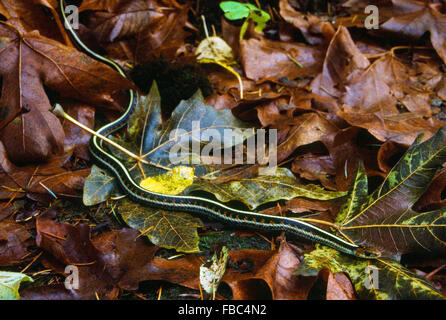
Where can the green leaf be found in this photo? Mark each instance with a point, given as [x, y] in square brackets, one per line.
[378, 279]
[146, 120]
[260, 18]
[262, 189]
[357, 195]
[167, 229]
[235, 10]
[10, 284]
[385, 219]
[180, 139]
[98, 187]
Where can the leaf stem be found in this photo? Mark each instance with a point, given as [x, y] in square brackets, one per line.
[59, 111]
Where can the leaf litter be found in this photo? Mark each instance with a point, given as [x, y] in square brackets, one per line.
[358, 115]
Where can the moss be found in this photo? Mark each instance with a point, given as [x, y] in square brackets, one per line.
[175, 82]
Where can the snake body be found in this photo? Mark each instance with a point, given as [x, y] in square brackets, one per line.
[200, 206]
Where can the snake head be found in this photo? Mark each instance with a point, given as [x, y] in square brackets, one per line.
[367, 252]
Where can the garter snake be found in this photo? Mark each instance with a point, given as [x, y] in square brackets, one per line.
[197, 205]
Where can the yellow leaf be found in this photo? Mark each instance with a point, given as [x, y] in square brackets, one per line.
[172, 182]
[216, 49]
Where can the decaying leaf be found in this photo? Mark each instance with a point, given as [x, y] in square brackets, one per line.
[29, 131]
[50, 179]
[373, 279]
[168, 229]
[106, 264]
[210, 276]
[144, 28]
[347, 103]
[14, 242]
[385, 219]
[417, 18]
[262, 189]
[98, 186]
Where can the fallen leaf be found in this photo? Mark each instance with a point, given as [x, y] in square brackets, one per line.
[10, 283]
[417, 18]
[372, 279]
[30, 63]
[339, 287]
[278, 61]
[49, 179]
[14, 242]
[385, 219]
[275, 268]
[107, 264]
[146, 29]
[312, 27]
[167, 229]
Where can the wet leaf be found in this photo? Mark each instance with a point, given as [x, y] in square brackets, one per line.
[10, 284]
[167, 229]
[262, 189]
[173, 182]
[31, 62]
[385, 219]
[146, 120]
[14, 242]
[98, 186]
[416, 19]
[313, 28]
[139, 30]
[106, 264]
[75, 137]
[273, 268]
[210, 276]
[339, 287]
[278, 60]
[39, 181]
[182, 137]
[32, 15]
[373, 279]
[369, 92]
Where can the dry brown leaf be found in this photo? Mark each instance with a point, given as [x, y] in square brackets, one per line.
[275, 268]
[14, 242]
[313, 28]
[339, 286]
[417, 18]
[108, 263]
[145, 29]
[30, 15]
[278, 60]
[31, 62]
[39, 180]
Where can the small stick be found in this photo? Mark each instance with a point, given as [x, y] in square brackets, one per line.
[59, 111]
